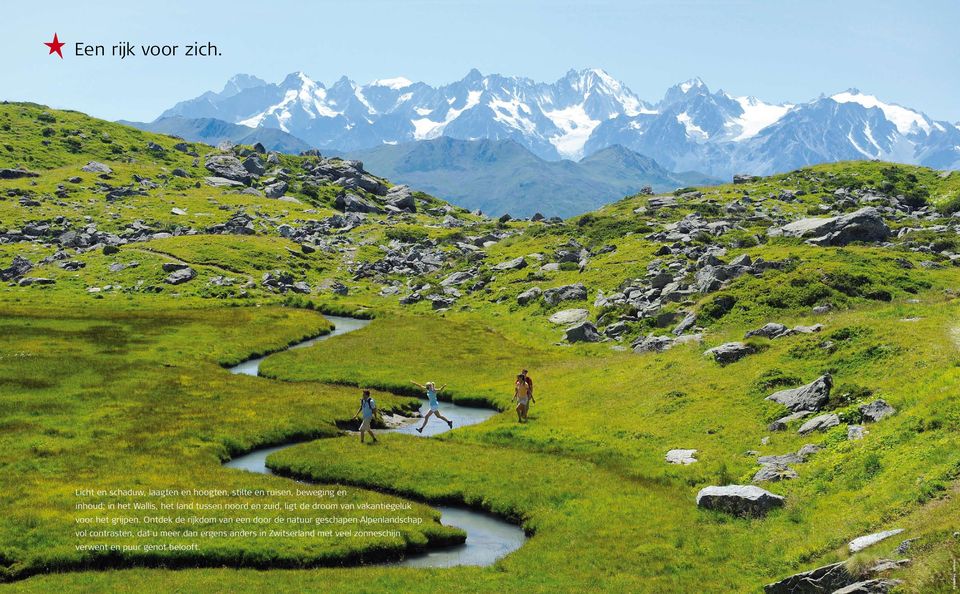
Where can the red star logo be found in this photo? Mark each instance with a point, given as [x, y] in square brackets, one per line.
[55, 46]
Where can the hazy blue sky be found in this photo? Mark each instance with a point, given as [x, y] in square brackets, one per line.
[902, 51]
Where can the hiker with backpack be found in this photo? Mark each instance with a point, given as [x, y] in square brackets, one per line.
[368, 407]
[434, 411]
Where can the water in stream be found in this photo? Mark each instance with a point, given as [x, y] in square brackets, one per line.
[488, 537]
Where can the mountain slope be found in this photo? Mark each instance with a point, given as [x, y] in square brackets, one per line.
[690, 128]
[132, 275]
[552, 120]
[501, 176]
[214, 131]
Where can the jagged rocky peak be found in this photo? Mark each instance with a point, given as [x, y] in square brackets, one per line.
[584, 111]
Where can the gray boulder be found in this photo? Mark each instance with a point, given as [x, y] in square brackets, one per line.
[616, 329]
[858, 544]
[221, 182]
[69, 239]
[300, 287]
[227, 167]
[96, 167]
[370, 184]
[856, 432]
[773, 473]
[874, 586]
[710, 278]
[743, 178]
[661, 280]
[441, 301]
[771, 330]
[876, 410]
[348, 202]
[685, 324]
[681, 456]
[883, 565]
[809, 397]
[457, 278]
[6, 173]
[531, 294]
[781, 459]
[180, 276]
[864, 225]
[556, 295]
[254, 165]
[275, 190]
[19, 267]
[823, 580]
[739, 500]
[729, 352]
[781, 423]
[451, 221]
[515, 264]
[819, 423]
[582, 332]
[653, 344]
[412, 298]
[569, 316]
[401, 197]
[794, 458]
[35, 280]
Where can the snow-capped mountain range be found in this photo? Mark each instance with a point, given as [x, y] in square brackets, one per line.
[690, 128]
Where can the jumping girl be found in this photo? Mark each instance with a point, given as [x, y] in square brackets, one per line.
[432, 392]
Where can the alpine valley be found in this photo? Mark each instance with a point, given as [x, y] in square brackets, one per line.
[741, 387]
[510, 126]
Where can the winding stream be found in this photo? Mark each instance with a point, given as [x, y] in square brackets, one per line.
[488, 537]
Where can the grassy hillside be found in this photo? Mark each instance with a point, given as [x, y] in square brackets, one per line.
[113, 375]
[214, 131]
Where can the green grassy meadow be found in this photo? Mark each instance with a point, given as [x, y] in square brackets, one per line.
[126, 386]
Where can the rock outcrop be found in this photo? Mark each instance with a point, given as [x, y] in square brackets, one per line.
[729, 352]
[227, 167]
[876, 410]
[862, 542]
[822, 580]
[681, 456]
[569, 316]
[811, 397]
[557, 295]
[864, 225]
[739, 500]
[582, 332]
[819, 423]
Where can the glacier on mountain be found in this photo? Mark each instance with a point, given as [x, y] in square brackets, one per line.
[585, 111]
